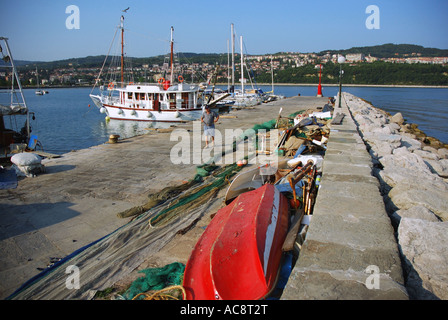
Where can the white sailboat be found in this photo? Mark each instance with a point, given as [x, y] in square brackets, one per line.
[39, 92]
[165, 101]
[242, 98]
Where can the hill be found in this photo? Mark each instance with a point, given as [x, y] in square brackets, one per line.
[390, 50]
[387, 50]
[97, 61]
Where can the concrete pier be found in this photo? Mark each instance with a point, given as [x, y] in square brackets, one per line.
[350, 251]
[77, 200]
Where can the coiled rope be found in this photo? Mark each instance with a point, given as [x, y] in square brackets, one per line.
[158, 295]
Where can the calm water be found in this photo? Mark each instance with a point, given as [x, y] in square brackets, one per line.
[427, 107]
[65, 122]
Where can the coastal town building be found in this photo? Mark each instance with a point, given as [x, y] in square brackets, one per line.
[73, 74]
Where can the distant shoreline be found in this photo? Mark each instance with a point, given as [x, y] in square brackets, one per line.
[352, 85]
[277, 84]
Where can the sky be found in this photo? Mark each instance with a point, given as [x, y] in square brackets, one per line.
[47, 30]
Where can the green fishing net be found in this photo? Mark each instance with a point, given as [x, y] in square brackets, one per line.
[156, 279]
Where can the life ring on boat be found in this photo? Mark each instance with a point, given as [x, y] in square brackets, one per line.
[161, 80]
[110, 86]
[180, 78]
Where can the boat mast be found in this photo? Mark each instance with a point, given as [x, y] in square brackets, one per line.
[171, 62]
[233, 54]
[16, 76]
[122, 50]
[272, 76]
[242, 66]
[37, 79]
[228, 67]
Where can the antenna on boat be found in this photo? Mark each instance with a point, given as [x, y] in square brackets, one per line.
[171, 60]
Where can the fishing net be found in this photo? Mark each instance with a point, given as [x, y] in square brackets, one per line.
[107, 260]
[156, 279]
[196, 196]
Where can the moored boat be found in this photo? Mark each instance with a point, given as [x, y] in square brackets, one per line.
[253, 179]
[13, 107]
[239, 254]
[165, 101]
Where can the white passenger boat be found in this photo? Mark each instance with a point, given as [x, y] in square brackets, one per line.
[165, 101]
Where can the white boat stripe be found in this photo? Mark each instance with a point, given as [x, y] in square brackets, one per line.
[270, 232]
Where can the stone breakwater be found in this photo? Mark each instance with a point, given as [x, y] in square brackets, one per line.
[413, 173]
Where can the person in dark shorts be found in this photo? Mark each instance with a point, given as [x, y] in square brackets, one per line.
[209, 118]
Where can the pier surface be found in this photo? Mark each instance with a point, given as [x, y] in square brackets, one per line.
[349, 243]
[77, 200]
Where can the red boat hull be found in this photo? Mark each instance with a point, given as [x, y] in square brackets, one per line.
[239, 254]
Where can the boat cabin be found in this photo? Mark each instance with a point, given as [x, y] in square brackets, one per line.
[180, 96]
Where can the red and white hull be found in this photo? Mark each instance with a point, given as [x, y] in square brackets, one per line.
[239, 254]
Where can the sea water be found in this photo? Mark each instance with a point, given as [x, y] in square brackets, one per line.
[66, 119]
[426, 107]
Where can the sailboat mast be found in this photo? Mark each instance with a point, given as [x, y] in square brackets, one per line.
[232, 35]
[242, 66]
[171, 62]
[272, 76]
[16, 76]
[37, 78]
[122, 50]
[228, 67]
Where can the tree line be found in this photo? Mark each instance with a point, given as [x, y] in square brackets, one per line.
[376, 73]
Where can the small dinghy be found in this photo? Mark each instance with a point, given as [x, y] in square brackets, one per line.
[254, 178]
[239, 254]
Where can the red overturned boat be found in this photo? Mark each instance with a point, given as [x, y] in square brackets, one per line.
[239, 254]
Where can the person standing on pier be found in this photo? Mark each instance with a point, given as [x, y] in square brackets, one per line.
[209, 118]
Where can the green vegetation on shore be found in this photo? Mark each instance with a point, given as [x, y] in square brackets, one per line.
[291, 68]
[376, 73]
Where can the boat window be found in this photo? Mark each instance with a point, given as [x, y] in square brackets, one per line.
[185, 100]
[172, 97]
[129, 95]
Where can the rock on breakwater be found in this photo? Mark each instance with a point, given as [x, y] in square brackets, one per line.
[413, 173]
